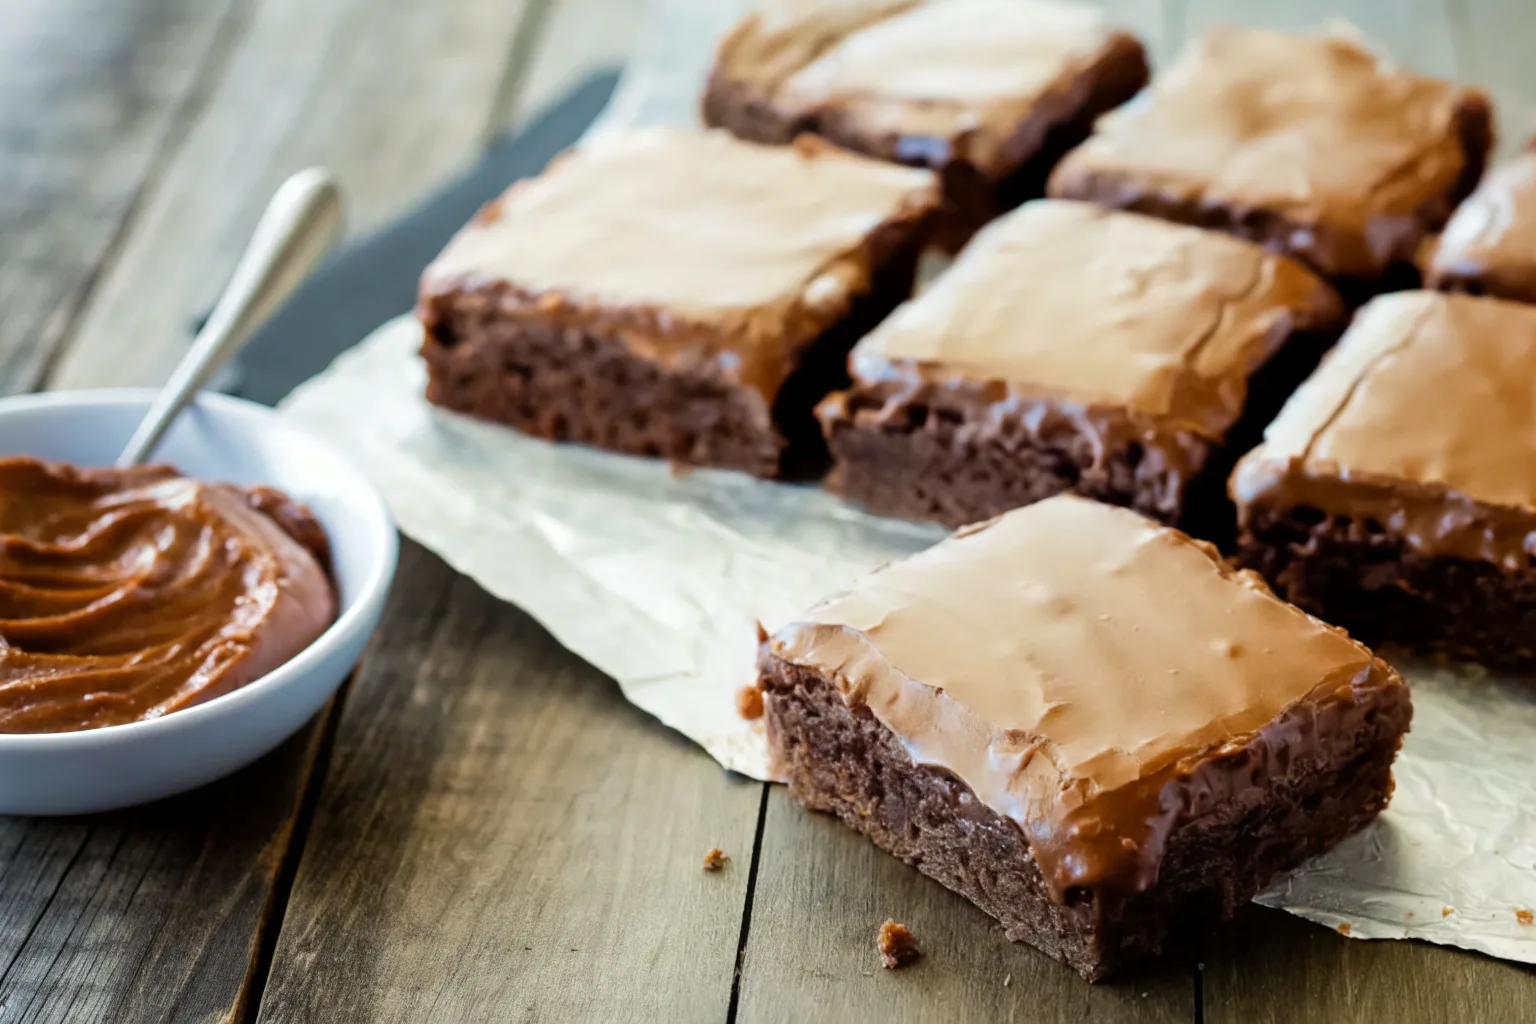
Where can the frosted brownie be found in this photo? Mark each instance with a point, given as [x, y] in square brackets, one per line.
[1021, 713]
[1309, 144]
[676, 294]
[1396, 493]
[988, 92]
[1074, 348]
[1489, 245]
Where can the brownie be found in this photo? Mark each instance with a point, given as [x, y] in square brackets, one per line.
[1396, 493]
[1489, 245]
[676, 294]
[1075, 348]
[1021, 713]
[1309, 144]
[989, 93]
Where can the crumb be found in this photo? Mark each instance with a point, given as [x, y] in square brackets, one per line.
[809, 145]
[1525, 917]
[749, 703]
[1007, 980]
[715, 859]
[762, 634]
[1447, 911]
[896, 945]
[1408, 914]
[490, 213]
[1343, 929]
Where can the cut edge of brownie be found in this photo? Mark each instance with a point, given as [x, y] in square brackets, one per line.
[840, 759]
[563, 375]
[1353, 570]
[1060, 122]
[1306, 241]
[941, 453]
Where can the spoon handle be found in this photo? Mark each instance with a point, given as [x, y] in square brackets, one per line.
[300, 225]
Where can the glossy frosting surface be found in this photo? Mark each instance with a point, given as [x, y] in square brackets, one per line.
[1316, 128]
[1423, 388]
[696, 225]
[1069, 300]
[129, 594]
[1065, 654]
[1489, 244]
[939, 69]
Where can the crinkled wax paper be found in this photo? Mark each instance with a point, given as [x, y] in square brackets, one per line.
[660, 579]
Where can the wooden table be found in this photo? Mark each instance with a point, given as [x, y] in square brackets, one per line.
[482, 828]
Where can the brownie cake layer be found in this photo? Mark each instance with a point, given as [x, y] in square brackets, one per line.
[1018, 714]
[674, 294]
[1076, 349]
[1489, 245]
[1310, 145]
[1396, 493]
[989, 93]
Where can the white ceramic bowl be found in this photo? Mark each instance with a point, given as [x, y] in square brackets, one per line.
[221, 439]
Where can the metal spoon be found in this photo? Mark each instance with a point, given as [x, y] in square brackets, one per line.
[300, 225]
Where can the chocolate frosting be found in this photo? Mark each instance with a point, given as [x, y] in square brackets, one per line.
[129, 594]
[1421, 420]
[1316, 129]
[1489, 244]
[960, 76]
[689, 246]
[1039, 659]
[1100, 313]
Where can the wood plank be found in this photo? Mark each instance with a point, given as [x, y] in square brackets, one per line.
[823, 890]
[392, 97]
[150, 914]
[1272, 968]
[503, 836]
[91, 93]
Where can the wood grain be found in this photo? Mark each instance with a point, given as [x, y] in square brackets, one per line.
[149, 914]
[92, 92]
[392, 97]
[502, 836]
[822, 892]
[1272, 968]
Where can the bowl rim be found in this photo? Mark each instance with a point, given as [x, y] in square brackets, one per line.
[359, 616]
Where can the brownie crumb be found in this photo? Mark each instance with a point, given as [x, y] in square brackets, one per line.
[896, 945]
[1525, 917]
[1343, 929]
[1447, 911]
[715, 859]
[749, 703]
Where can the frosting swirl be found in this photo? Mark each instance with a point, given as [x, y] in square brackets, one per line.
[129, 594]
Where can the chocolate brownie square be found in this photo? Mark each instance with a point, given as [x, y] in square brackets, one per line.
[1309, 144]
[1396, 493]
[1023, 714]
[1075, 348]
[676, 294]
[990, 93]
[1489, 244]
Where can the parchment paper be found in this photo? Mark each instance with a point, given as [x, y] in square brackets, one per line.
[659, 580]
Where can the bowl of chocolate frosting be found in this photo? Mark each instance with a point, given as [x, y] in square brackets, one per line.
[163, 625]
